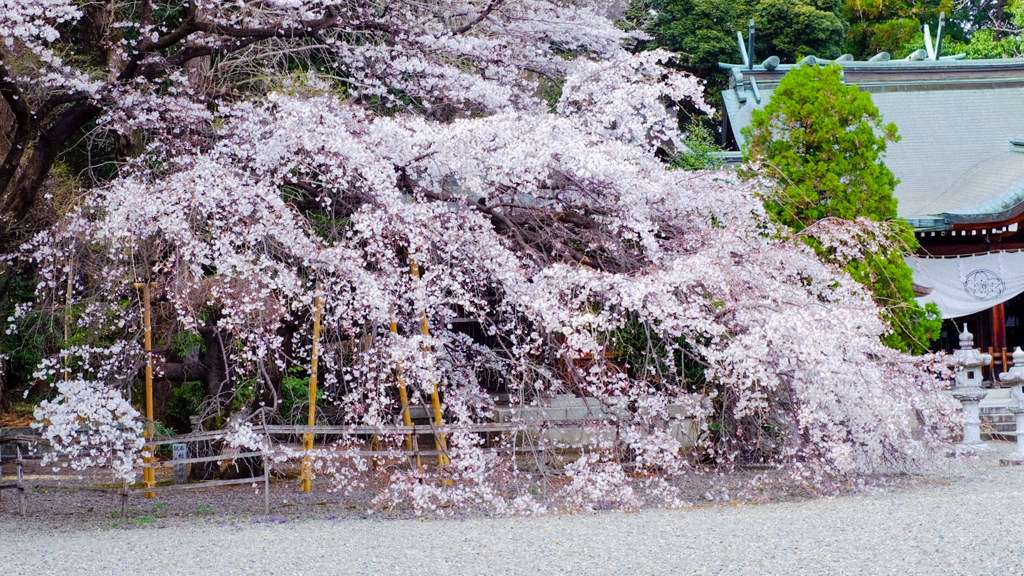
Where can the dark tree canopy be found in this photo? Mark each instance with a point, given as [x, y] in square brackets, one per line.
[703, 32]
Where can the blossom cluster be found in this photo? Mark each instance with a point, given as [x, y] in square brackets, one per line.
[497, 252]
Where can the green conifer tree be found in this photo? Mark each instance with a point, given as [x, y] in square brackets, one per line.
[825, 141]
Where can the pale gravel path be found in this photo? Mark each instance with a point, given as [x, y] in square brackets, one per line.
[972, 527]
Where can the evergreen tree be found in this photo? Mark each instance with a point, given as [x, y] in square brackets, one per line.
[826, 141]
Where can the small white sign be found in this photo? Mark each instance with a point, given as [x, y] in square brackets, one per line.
[180, 470]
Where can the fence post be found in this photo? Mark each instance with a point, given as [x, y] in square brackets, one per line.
[21, 485]
[124, 499]
[266, 483]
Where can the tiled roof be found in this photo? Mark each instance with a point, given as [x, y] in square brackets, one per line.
[955, 119]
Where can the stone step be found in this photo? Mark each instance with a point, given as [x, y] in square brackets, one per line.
[997, 420]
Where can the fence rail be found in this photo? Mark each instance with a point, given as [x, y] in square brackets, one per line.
[295, 430]
[205, 484]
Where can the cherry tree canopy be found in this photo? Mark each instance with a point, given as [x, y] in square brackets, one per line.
[585, 265]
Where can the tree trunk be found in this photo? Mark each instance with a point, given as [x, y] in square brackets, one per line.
[23, 193]
[4, 406]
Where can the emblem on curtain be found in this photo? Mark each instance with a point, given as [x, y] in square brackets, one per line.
[984, 285]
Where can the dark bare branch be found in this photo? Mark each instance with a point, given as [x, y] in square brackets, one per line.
[480, 18]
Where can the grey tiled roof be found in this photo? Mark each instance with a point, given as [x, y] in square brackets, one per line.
[954, 156]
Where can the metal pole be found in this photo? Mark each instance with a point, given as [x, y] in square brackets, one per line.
[148, 473]
[307, 439]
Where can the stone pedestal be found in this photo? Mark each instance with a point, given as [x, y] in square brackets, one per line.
[1016, 458]
[968, 388]
[1015, 378]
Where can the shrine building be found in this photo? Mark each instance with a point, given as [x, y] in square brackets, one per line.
[960, 165]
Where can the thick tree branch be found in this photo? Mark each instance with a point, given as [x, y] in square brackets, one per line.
[23, 127]
[49, 144]
[480, 18]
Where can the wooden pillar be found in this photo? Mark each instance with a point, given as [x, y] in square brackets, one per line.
[999, 327]
[998, 339]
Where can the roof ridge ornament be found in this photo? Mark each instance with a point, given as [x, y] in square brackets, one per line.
[934, 52]
[747, 53]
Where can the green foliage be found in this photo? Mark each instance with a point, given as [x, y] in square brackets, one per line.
[824, 141]
[295, 396]
[160, 429]
[701, 153]
[792, 29]
[550, 91]
[895, 26]
[642, 352]
[1015, 8]
[703, 32]
[243, 395]
[183, 342]
[898, 37]
[186, 401]
[983, 44]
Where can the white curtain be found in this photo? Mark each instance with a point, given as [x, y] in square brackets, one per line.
[969, 284]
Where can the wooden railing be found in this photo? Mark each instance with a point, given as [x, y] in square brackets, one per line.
[1002, 360]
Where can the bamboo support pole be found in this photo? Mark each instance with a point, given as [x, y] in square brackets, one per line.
[307, 439]
[149, 477]
[403, 397]
[440, 440]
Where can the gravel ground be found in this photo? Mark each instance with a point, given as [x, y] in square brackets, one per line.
[970, 525]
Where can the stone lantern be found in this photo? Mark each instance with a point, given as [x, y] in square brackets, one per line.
[968, 388]
[1015, 378]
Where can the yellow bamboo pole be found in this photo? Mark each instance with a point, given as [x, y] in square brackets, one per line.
[440, 441]
[307, 439]
[148, 474]
[403, 396]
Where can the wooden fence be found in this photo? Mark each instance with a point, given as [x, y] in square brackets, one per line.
[270, 431]
[149, 491]
[19, 481]
[1002, 360]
